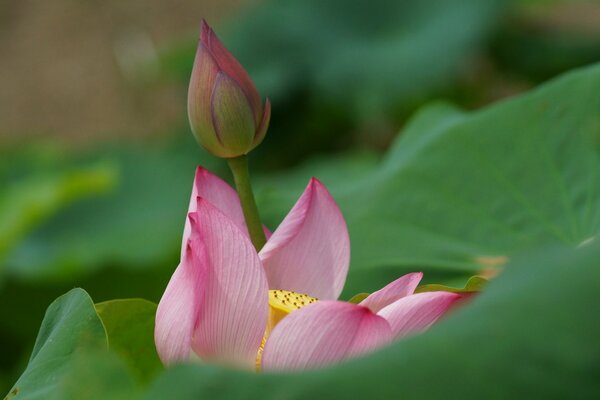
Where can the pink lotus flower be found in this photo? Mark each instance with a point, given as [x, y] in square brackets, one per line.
[227, 304]
[224, 107]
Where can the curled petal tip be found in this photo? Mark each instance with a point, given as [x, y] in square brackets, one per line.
[193, 216]
[193, 228]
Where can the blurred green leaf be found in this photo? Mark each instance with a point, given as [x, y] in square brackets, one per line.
[519, 335]
[137, 224]
[474, 284]
[30, 202]
[461, 192]
[396, 51]
[129, 326]
[542, 39]
[71, 323]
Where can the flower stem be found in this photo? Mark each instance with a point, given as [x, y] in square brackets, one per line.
[241, 176]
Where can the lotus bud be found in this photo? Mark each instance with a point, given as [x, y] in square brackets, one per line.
[225, 109]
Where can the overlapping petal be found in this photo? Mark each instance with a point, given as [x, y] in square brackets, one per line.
[234, 304]
[415, 313]
[310, 250]
[401, 287]
[218, 193]
[178, 309]
[323, 333]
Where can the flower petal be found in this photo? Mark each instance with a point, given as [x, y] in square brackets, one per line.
[323, 333]
[178, 308]
[218, 193]
[234, 308]
[416, 313]
[401, 287]
[310, 250]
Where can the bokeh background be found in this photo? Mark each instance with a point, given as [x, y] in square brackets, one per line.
[96, 157]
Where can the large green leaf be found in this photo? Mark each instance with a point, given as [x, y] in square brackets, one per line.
[460, 192]
[71, 324]
[520, 338]
[94, 375]
[129, 326]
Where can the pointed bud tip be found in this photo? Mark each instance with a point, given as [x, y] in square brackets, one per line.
[205, 32]
[314, 182]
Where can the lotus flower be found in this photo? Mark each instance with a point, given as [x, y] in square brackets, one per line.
[224, 107]
[277, 310]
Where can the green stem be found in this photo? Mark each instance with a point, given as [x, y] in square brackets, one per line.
[241, 176]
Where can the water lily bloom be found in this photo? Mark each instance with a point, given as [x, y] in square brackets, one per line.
[278, 309]
[225, 109]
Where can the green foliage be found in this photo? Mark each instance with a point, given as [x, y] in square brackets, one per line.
[30, 202]
[542, 40]
[398, 50]
[70, 324]
[149, 203]
[95, 375]
[474, 284]
[129, 327]
[461, 192]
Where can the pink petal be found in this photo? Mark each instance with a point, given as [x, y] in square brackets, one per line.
[416, 313]
[178, 308]
[234, 308]
[310, 251]
[323, 333]
[401, 287]
[218, 193]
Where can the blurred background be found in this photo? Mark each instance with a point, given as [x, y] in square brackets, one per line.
[96, 157]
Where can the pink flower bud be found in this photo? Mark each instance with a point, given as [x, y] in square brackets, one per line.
[225, 109]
